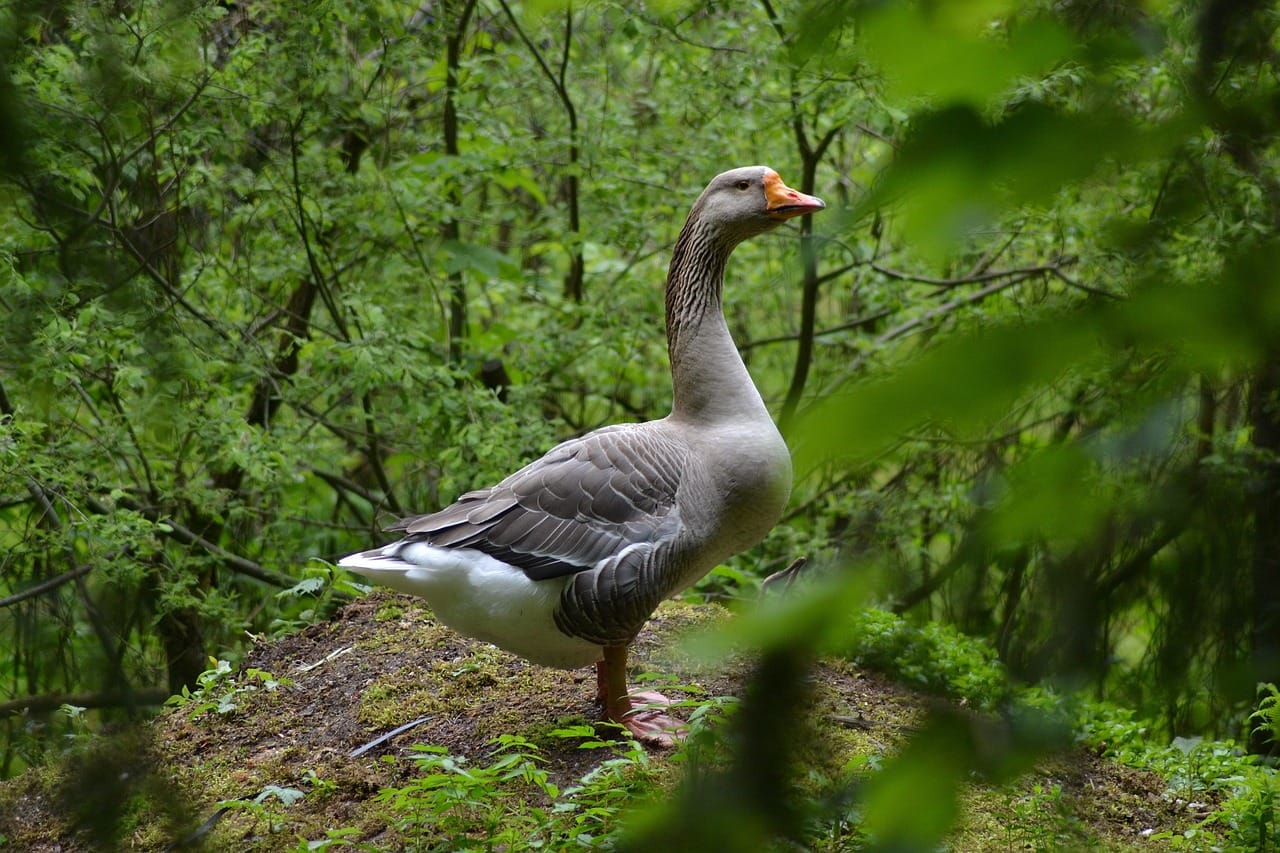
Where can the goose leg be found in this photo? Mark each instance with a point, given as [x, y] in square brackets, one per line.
[648, 725]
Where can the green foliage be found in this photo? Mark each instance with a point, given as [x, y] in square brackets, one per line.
[1266, 718]
[1043, 821]
[1072, 473]
[512, 802]
[261, 807]
[221, 690]
[933, 656]
[231, 285]
[1244, 817]
[325, 585]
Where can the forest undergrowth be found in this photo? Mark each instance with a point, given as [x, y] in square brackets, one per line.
[304, 746]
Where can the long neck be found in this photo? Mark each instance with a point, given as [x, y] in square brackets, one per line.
[709, 380]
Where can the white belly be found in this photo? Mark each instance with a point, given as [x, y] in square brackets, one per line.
[481, 597]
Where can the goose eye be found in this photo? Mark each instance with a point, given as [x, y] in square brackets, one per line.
[742, 185]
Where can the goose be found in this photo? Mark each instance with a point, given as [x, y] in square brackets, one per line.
[565, 560]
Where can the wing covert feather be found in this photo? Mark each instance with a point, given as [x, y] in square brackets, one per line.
[586, 500]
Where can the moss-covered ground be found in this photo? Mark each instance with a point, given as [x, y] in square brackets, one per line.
[270, 757]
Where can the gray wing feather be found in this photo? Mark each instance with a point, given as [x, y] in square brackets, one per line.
[586, 501]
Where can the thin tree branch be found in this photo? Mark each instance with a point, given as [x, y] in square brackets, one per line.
[44, 586]
[168, 122]
[112, 651]
[831, 275]
[1079, 285]
[955, 304]
[928, 588]
[875, 134]
[574, 278]
[235, 562]
[318, 279]
[103, 699]
[1139, 560]
[186, 536]
[831, 330]
[343, 484]
[976, 278]
[374, 455]
[450, 230]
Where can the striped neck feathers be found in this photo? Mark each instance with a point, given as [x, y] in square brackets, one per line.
[708, 377]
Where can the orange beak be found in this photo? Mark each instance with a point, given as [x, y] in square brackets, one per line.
[785, 203]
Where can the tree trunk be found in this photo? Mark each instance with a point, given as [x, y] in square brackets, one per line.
[450, 230]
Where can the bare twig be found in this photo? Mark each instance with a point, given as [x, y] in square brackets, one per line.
[44, 586]
[104, 699]
[1087, 288]
[975, 278]
[573, 284]
[830, 330]
[948, 307]
[234, 562]
[374, 454]
[343, 484]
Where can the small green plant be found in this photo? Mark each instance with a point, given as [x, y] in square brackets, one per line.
[835, 822]
[217, 689]
[261, 809]
[77, 723]
[512, 802]
[1043, 820]
[1240, 792]
[326, 584]
[321, 788]
[1266, 719]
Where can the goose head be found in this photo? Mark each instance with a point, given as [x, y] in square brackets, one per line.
[742, 203]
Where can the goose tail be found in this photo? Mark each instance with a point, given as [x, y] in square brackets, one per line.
[375, 562]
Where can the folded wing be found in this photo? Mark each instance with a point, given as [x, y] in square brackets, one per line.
[586, 501]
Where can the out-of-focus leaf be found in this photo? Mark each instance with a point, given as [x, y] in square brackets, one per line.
[962, 384]
[911, 803]
[816, 615]
[1053, 495]
[957, 171]
[462, 256]
[966, 383]
[521, 179]
[952, 53]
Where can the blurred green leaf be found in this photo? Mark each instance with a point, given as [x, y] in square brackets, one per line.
[1054, 495]
[961, 385]
[957, 171]
[967, 382]
[814, 615]
[956, 52]
[911, 803]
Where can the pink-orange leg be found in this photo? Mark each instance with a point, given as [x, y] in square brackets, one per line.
[648, 725]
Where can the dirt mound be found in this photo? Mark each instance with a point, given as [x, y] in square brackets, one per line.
[315, 713]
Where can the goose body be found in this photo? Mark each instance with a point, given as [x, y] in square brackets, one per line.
[563, 561]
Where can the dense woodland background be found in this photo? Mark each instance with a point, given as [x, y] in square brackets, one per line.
[273, 274]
